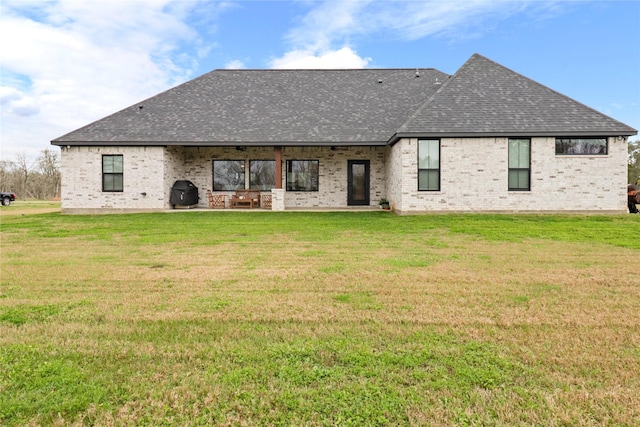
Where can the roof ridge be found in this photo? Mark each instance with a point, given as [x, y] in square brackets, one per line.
[327, 69]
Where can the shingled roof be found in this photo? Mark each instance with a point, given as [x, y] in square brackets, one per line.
[347, 107]
[285, 107]
[485, 98]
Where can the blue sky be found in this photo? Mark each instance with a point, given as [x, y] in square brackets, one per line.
[67, 63]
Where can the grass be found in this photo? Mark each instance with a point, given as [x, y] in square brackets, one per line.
[241, 318]
[23, 207]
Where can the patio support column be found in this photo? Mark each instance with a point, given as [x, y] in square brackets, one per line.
[278, 151]
[277, 194]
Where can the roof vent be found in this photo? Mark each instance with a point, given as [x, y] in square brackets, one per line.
[380, 81]
[438, 82]
[417, 73]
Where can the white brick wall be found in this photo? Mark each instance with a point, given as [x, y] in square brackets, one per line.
[333, 170]
[82, 179]
[333, 175]
[474, 178]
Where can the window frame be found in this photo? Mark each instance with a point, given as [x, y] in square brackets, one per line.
[315, 188]
[438, 170]
[237, 184]
[567, 140]
[520, 168]
[113, 188]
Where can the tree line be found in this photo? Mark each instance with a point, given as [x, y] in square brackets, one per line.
[39, 179]
[633, 172]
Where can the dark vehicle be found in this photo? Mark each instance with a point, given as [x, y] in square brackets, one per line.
[7, 198]
[633, 198]
[183, 193]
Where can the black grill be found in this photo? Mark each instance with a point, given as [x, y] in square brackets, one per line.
[183, 193]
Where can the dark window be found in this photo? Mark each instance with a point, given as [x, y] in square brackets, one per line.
[429, 165]
[112, 173]
[519, 164]
[582, 146]
[302, 175]
[228, 175]
[262, 174]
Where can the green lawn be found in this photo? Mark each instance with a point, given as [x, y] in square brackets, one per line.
[368, 318]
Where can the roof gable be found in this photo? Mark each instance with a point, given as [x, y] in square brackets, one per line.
[484, 97]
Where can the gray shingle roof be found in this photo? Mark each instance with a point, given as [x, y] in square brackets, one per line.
[364, 106]
[484, 97]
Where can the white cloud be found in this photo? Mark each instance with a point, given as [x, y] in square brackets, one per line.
[70, 62]
[66, 63]
[415, 20]
[328, 23]
[17, 102]
[9, 94]
[25, 107]
[412, 20]
[337, 23]
[331, 59]
[236, 64]
[313, 41]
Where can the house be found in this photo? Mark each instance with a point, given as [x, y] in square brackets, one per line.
[485, 139]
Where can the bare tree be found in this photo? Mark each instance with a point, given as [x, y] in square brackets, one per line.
[634, 162]
[49, 167]
[23, 168]
[37, 180]
[6, 176]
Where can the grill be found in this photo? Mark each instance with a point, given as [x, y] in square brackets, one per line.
[183, 193]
